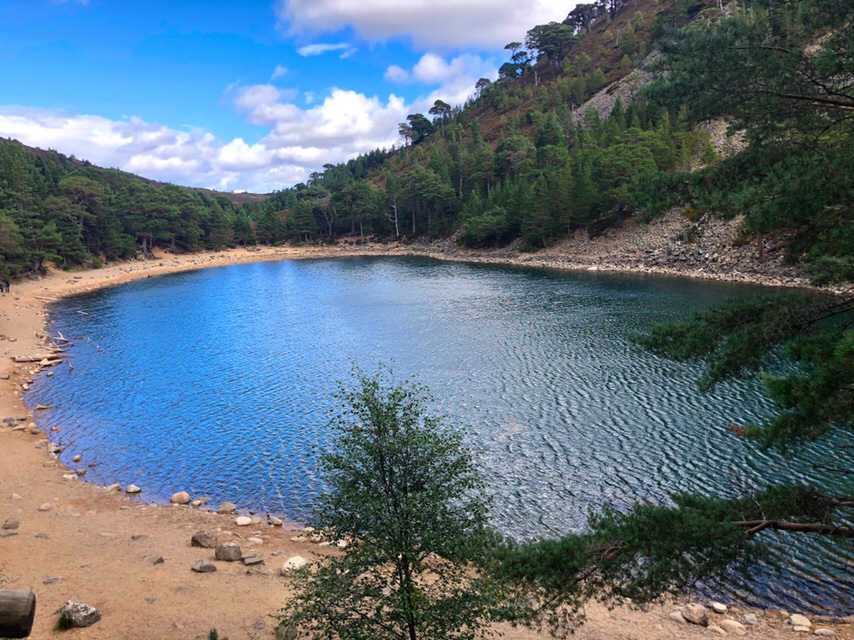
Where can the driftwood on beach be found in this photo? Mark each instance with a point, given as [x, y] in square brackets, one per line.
[51, 358]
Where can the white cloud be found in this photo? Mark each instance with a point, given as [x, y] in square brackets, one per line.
[432, 24]
[278, 72]
[256, 95]
[194, 158]
[300, 140]
[396, 74]
[456, 76]
[320, 48]
[432, 69]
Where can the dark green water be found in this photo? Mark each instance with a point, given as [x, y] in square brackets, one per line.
[219, 382]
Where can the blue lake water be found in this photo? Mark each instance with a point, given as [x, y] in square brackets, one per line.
[220, 382]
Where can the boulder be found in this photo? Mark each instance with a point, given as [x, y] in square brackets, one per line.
[204, 566]
[114, 487]
[696, 614]
[797, 620]
[276, 522]
[228, 552]
[824, 633]
[243, 521]
[182, 497]
[78, 614]
[252, 560]
[750, 619]
[77, 458]
[47, 506]
[294, 563]
[11, 524]
[227, 507]
[676, 616]
[132, 488]
[718, 607]
[716, 629]
[204, 540]
[733, 626]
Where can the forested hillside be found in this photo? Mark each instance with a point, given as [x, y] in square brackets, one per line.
[527, 160]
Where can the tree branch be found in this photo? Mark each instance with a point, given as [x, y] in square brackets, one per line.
[755, 526]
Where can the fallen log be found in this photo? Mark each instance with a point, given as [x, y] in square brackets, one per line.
[17, 612]
[49, 356]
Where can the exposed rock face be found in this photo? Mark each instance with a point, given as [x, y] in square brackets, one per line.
[696, 614]
[204, 540]
[79, 614]
[228, 552]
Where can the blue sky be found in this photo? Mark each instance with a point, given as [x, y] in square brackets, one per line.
[249, 95]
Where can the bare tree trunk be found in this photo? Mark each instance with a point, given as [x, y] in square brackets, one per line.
[461, 172]
[394, 218]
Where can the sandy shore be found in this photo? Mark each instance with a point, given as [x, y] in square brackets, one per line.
[75, 540]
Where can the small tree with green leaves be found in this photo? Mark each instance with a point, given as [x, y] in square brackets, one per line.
[403, 490]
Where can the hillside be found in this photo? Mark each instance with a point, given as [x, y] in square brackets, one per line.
[594, 121]
[68, 212]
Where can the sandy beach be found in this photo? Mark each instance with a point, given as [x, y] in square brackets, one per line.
[77, 541]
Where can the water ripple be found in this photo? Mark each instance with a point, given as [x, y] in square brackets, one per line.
[219, 382]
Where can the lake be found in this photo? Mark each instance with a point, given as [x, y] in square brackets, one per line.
[219, 382]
